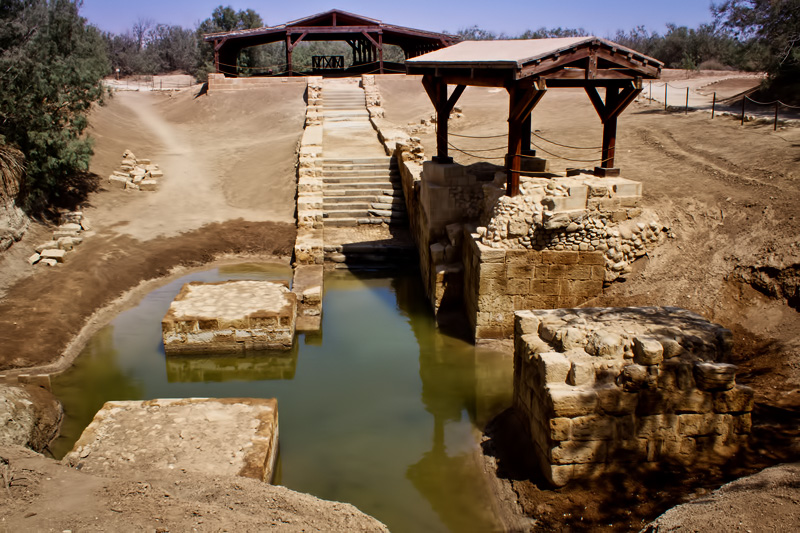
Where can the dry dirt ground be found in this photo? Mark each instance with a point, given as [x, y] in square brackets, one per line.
[728, 193]
[731, 196]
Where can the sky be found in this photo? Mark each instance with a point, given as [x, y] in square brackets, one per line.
[599, 17]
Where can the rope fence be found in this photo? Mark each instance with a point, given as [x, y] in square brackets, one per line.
[777, 104]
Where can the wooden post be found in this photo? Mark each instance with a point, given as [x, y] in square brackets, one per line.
[687, 101]
[713, 105]
[380, 50]
[609, 130]
[289, 53]
[775, 126]
[437, 92]
[743, 99]
[665, 95]
[523, 97]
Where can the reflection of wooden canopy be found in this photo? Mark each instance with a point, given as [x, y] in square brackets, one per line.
[527, 68]
[365, 36]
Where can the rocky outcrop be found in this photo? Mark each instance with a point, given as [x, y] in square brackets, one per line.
[29, 416]
[13, 221]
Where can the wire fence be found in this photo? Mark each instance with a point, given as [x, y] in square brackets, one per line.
[701, 98]
[152, 83]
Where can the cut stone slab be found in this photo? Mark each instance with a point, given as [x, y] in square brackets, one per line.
[230, 317]
[34, 259]
[148, 185]
[54, 253]
[230, 436]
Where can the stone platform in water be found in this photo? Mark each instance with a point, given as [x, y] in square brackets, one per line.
[227, 436]
[230, 317]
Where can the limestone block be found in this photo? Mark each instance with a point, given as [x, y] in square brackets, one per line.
[625, 187]
[559, 475]
[605, 343]
[658, 425]
[527, 322]
[571, 401]
[553, 367]
[592, 427]
[53, 254]
[455, 233]
[560, 429]
[692, 401]
[572, 338]
[143, 162]
[131, 186]
[156, 174]
[571, 452]
[715, 376]
[34, 259]
[48, 262]
[615, 401]
[581, 373]
[672, 348]
[736, 400]
[647, 350]
[66, 244]
[704, 424]
[148, 185]
[118, 181]
[489, 255]
[742, 423]
[86, 224]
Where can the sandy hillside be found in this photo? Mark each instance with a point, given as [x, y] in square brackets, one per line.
[228, 188]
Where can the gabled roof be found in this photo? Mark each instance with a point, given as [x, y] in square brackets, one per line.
[330, 24]
[554, 57]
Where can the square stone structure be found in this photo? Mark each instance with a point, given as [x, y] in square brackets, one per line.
[230, 317]
[623, 389]
[230, 436]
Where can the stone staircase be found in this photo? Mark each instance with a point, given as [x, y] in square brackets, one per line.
[362, 191]
[360, 185]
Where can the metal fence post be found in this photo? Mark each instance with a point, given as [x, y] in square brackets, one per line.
[651, 92]
[665, 95]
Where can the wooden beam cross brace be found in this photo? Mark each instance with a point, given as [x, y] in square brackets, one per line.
[437, 92]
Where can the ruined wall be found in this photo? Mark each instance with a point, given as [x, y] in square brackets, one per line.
[498, 282]
[620, 389]
[218, 82]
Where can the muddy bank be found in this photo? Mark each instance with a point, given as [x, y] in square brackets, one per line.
[43, 494]
[40, 315]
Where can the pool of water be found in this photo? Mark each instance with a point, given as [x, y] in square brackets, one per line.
[380, 410]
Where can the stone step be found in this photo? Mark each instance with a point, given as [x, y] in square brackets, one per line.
[364, 206]
[369, 175]
[344, 213]
[362, 188]
[354, 160]
[350, 222]
[356, 166]
[394, 196]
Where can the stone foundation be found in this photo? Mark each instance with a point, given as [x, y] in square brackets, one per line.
[229, 317]
[231, 436]
[218, 82]
[620, 389]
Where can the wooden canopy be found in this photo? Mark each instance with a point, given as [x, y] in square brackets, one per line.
[526, 69]
[365, 36]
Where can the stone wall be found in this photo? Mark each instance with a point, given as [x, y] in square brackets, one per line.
[620, 389]
[498, 282]
[218, 82]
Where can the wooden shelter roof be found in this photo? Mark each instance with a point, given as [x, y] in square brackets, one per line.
[329, 26]
[500, 62]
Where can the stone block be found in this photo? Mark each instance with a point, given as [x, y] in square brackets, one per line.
[659, 425]
[154, 437]
[581, 374]
[704, 424]
[604, 343]
[715, 376]
[490, 255]
[517, 286]
[34, 259]
[647, 350]
[527, 323]
[48, 262]
[560, 258]
[256, 315]
[592, 427]
[118, 182]
[739, 399]
[571, 401]
[516, 270]
[560, 429]
[615, 401]
[572, 452]
[559, 475]
[625, 187]
[692, 401]
[54, 253]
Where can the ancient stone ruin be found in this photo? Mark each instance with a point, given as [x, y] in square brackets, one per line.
[136, 174]
[618, 389]
[230, 436]
[68, 235]
[230, 317]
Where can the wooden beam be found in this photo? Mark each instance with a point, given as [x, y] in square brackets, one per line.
[451, 102]
[597, 102]
[219, 44]
[429, 85]
[628, 95]
[380, 51]
[334, 29]
[527, 101]
[367, 35]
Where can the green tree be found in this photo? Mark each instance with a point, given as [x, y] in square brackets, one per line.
[227, 19]
[775, 24]
[51, 66]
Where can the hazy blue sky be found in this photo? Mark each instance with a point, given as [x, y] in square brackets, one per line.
[599, 17]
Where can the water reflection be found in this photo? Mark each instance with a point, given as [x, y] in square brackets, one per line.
[264, 366]
[380, 412]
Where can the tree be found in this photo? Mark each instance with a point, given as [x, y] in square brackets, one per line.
[51, 66]
[227, 19]
[775, 24]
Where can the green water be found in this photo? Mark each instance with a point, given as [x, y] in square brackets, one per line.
[380, 410]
